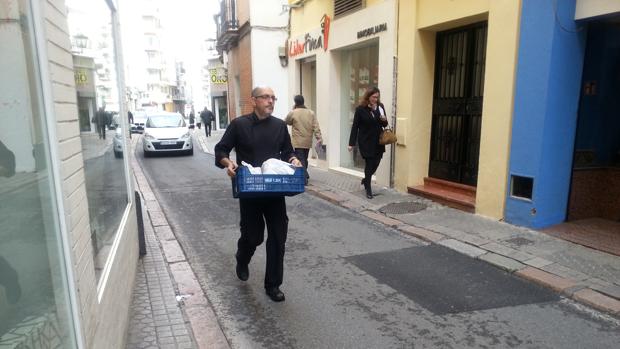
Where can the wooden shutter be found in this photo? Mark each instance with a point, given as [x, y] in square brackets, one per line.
[342, 7]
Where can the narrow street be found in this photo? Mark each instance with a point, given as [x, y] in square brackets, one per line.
[351, 282]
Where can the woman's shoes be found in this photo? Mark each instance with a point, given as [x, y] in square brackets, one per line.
[369, 192]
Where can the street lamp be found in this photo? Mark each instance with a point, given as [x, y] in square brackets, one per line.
[81, 41]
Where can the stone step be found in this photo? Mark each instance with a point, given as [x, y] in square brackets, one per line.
[455, 195]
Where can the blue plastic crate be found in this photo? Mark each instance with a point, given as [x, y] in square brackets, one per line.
[247, 185]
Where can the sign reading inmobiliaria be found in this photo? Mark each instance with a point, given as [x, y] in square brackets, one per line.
[311, 41]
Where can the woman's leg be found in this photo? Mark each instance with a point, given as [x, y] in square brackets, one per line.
[369, 168]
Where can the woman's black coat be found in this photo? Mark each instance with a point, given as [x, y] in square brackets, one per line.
[366, 129]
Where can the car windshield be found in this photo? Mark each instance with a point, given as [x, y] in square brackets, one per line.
[163, 121]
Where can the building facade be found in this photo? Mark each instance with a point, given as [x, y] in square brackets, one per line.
[334, 55]
[565, 151]
[69, 238]
[250, 37]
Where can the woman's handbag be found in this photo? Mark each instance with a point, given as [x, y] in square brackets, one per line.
[387, 137]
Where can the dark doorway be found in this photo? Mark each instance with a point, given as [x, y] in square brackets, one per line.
[457, 104]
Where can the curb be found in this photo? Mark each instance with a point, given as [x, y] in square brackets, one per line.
[520, 264]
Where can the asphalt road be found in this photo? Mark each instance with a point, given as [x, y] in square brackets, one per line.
[353, 283]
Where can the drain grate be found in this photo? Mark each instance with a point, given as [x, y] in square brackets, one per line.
[402, 208]
[520, 241]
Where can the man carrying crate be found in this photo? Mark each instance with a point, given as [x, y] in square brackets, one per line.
[257, 137]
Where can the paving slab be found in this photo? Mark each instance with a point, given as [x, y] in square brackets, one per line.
[462, 247]
[502, 262]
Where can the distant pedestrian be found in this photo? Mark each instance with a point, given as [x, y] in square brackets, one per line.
[368, 122]
[130, 117]
[304, 124]
[100, 120]
[255, 138]
[191, 119]
[207, 117]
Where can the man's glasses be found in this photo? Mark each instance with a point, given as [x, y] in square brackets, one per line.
[267, 97]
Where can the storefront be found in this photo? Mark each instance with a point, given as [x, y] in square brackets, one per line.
[69, 237]
[332, 64]
[218, 79]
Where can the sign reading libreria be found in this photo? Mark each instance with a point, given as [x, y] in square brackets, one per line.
[372, 30]
[311, 41]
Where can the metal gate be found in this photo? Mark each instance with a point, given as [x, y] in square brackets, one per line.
[457, 104]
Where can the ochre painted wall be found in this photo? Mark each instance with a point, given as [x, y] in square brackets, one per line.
[420, 20]
[308, 16]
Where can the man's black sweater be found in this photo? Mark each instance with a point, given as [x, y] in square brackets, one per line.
[255, 140]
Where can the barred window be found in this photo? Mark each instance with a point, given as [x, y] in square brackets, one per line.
[342, 7]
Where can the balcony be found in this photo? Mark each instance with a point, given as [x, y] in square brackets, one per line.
[227, 26]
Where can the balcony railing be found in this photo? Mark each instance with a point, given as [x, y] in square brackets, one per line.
[227, 25]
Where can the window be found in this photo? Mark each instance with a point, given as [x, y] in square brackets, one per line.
[102, 144]
[360, 70]
[34, 291]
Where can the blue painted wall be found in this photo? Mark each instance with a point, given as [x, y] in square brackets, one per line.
[549, 69]
[598, 127]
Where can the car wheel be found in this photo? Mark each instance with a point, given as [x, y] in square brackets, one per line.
[118, 154]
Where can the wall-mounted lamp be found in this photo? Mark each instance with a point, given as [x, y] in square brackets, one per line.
[282, 56]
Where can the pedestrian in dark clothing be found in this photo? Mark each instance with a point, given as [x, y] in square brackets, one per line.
[207, 118]
[191, 119]
[130, 117]
[368, 122]
[100, 120]
[255, 138]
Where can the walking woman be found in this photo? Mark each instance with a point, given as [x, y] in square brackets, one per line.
[368, 122]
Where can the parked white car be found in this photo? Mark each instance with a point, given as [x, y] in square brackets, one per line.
[166, 132]
[117, 141]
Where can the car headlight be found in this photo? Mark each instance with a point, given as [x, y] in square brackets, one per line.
[186, 135]
[149, 137]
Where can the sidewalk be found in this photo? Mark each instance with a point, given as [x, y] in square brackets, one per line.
[169, 309]
[583, 274]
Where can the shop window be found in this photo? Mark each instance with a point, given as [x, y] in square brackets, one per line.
[34, 291]
[360, 70]
[102, 142]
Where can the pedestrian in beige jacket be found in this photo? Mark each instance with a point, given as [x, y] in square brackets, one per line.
[304, 124]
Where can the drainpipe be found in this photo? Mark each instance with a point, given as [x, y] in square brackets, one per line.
[393, 145]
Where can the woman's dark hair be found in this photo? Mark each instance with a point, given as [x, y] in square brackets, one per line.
[365, 100]
[299, 101]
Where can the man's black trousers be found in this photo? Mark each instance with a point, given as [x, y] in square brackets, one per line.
[208, 129]
[302, 154]
[254, 214]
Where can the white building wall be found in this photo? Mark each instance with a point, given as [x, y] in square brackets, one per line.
[266, 68]
[269, 32]
[594, 8]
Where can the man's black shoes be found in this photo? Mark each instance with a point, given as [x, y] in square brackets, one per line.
[243, 273]
[275, 294]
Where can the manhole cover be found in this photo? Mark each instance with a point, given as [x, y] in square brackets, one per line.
[402, 208]
[520, 241]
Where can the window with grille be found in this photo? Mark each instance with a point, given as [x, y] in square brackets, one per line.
[342, 7]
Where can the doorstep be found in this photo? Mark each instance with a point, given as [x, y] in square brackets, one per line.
[455, 195]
